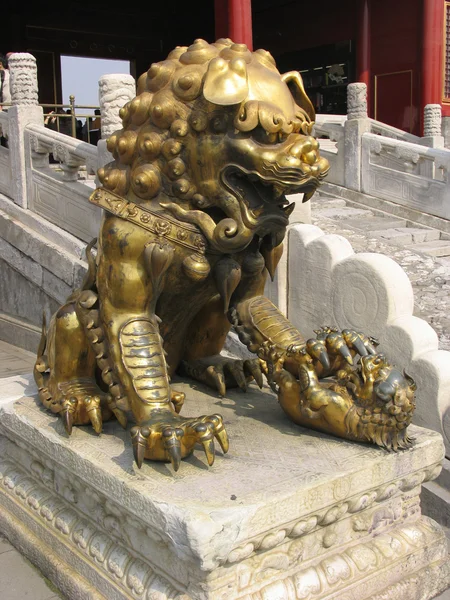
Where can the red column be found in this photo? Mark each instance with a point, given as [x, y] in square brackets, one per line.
[363, 49]
[240, 22]
[432, 52]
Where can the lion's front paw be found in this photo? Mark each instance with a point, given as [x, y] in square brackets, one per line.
[220, 372]
[167, 437]
[336, 350]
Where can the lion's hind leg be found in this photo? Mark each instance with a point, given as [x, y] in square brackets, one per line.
[65, 373]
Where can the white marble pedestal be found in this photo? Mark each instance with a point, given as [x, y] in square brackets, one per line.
[287, 514]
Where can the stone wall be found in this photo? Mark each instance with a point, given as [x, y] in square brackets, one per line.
[39, 268]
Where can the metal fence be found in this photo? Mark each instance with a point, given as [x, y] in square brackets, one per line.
[64, 118]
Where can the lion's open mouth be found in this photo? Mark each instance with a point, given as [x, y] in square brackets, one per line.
[266, 195]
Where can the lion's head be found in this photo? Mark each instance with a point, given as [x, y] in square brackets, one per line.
[217, 137]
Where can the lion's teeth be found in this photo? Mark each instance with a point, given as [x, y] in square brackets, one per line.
[288, 209]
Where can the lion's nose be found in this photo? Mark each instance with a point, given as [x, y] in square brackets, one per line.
[305, 147]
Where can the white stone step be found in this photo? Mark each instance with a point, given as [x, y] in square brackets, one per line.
[407, 235]
[371, 223]
[341, 213]
[393, 235]
[433, 248]
[321, 203]
[420, 235]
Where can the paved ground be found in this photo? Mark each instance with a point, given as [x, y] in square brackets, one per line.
[429, 275]
[14, 361]
[20, 580]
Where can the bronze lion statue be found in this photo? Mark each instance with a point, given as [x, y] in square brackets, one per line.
[195, 213]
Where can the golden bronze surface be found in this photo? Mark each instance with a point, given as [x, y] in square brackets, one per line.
[195, 213]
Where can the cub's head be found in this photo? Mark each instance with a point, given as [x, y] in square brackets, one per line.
[218, 137]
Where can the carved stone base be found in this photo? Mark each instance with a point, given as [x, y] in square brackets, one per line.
[287, 514]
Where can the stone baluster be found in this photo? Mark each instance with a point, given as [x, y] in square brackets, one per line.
[114, 91]
[356, 125]
[432, 126]
[356, 101]
[25, 110]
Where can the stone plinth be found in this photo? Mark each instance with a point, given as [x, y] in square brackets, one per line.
[287, 514]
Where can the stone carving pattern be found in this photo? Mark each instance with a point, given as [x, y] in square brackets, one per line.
[23, 79]
[357, 101]
[331, 574]
[109, 516]
[432, 120]
[115, 561]
[397, 158]
[335, 513]
[114, 92]
[428, 583]
[71, 153]
[137, 577]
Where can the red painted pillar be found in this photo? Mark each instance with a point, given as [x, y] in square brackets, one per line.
[363, 50]
[432, 52]
[240, 22]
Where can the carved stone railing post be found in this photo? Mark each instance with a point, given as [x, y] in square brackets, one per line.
[356, 101]
[25, 110]
[113, 92]
[432, 126]
[356, 125]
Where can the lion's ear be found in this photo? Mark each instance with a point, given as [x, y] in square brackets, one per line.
[294, 81]
[226, 82]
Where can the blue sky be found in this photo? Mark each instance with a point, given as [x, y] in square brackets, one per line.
[80, 77]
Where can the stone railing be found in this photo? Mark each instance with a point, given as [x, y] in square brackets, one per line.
[5, 160]
[407, 174]
[371, 293]
[382, 161]
[59, 194]
[56, 190]
[330, 131]
[392, 132]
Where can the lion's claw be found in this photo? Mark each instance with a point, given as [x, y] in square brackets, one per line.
[252, 368]
[168, 437]
[215, 378]
[341, 347]
[177, 399]
[220, 372]
[172, 444]
[236, 369]
[220, 433]
[94, 412]
[83, 410]
[69, 407]
[139, 439]
[205, 433]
